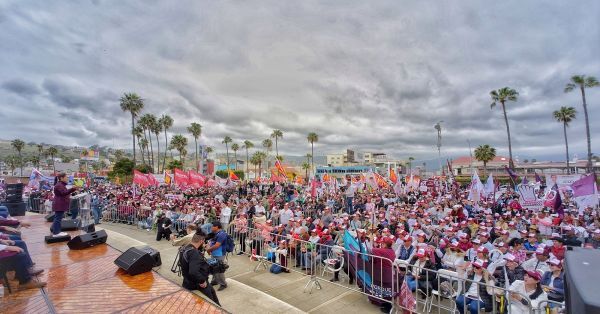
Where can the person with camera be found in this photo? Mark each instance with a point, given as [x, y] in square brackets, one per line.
[195, 269]
[217, 250]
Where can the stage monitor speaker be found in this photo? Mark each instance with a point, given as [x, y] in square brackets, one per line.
[49, 217]
[89, 228]
[153, 253]
[135, 261]
[16, 209]
[582, 275]
[70, 224]
[86, 240]
[51, 239]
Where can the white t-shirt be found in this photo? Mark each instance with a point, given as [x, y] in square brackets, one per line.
[474, 288]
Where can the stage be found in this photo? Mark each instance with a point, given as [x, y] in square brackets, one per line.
[88, 281]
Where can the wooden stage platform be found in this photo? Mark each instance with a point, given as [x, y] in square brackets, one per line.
[87, 281]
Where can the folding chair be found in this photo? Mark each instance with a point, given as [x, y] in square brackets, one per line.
[451, 277]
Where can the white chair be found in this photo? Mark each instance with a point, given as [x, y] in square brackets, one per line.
[451, 277]
[335, 255]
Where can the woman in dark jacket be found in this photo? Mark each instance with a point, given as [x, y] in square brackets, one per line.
[553, 281]
[61, 202]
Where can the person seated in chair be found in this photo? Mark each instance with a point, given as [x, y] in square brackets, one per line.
[15, 258]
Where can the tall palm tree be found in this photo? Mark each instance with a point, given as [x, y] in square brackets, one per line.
[308, 157]
[410, 160]
[52, 151]
[268, 145]
[139, 133]
[226, 141]
[19, 145]
[584, 82]
[149, 120]
[501, 96]
[40, 148]
[485, 153]
[196, 130]
[132, 103]
[247, 146]
[565, 115]
[254, 161]
[180, 142]
[13, 163]
[143, 147]
[235, 147]
[312, 138]
[167, 122]
[277, 134]
[259, 157]
[305, 167]
[156, 128]
[209, 149]
[35, 160]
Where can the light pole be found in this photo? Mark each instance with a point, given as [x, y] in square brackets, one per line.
[438, 127]
[471, 157]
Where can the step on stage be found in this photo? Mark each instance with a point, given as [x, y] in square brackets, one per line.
[88, 281]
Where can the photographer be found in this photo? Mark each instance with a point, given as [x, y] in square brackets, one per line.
[183, 241]
[195, 269]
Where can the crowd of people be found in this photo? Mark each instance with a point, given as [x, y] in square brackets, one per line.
[493, 242]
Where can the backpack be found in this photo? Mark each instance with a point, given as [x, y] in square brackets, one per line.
[229, 245]
[275, 269]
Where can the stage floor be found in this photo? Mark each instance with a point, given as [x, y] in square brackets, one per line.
[87, 281]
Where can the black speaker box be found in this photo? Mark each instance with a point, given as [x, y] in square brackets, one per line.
[49, 217]
[86, 240]
[16, 209]
[582, 275]
[135, 261]
[153, 253]
[89, 228]
[51, 239]
[70, 224]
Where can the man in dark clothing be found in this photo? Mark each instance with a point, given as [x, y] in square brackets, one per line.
[61, 202]
[195, 269]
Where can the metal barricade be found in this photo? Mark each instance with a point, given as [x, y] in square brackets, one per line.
[549, 306]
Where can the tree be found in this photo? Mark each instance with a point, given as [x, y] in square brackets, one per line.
[156, 128]
[132, 103]
[485, 153]
[247, 146]
[277, 134]
[167, 122]
[196, 130]
[52, 152]
[312, 138]
[148, 122]
[143, 147]
[13, 162]
[235, 147]
[565, 115]
[226, 141]
[259, 157]
[138, 132]
[209, 149]
[40, 149]
[501, 96]
[180, 142]
[305, 167]
[174, 164]
[410, 160]
[122, 168]
[119, 153]
[584, 82]
[308, 157]
[19, 145]
[35, 160]
[268, 145]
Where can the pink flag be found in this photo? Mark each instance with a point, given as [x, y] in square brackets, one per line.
[195, 179]
[181, 178]
[140, 179]
[584, 186]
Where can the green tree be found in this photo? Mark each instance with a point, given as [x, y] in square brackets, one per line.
[13, 162]
[156, 128]
[52, 152]
[268, 145]
[196, 130]
[180, 142]
[235, 147]
[138, 132]
[40, 149]
[18, 145]
[226, 141]
[148, 122]
[485, 153]
[565, 115]
[35, 160]
[175, 164]
[167, 122]
[259, 157]
[132, 103]
[410, 160]
[277, 134]
[247, 146]
[119, 154]
[123, 168]
[143, 147]
[501, 96]
[305, 167]
[584, 82]
[312, 139]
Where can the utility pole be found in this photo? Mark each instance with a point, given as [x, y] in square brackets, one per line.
[438, 127]
[471, 157]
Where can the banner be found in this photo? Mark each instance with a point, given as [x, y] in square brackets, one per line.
[528, 198]
[140, 179]
[195, 179]
[181, 178]
[38, 181]
[585, 192]
[563, 181]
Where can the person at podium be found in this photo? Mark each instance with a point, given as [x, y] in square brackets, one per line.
[62, 200]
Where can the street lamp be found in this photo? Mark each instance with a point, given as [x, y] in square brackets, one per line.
[438, 127]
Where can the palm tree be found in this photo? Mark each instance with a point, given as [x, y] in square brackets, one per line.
[143, 147]
[268, 145]
[19, 145]
[138, 132]
[180, 142]
[119, 153]
[12, 162]
[312, 138]
[247, 146]
[501, 96]
[52, 151]
[84, 153]
[156, 128]
[226, 141]
[148, 121]
[308, 157]
[305, 167]
[565, 115]
[35, 160]
[584, 82]
[132, 103]
[410, 160]
[277, 134]
[485, 153]
[235, 147]
[254, 161]
[40, 148]
[167, 122]
[259, 158]
[196, 130]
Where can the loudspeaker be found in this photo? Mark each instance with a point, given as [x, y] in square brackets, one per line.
[89, 228]
[153, 253]
[135, 261]
[87, 240]
[581, 281]
[70, 224]
[49, 217]
[51, 239]
[16, 209]
[14, 193]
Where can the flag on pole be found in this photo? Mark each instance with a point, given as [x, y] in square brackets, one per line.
[538, 179]
[140, 179]
[393, 176]
[511, 173]
[167, 178]
[280, 168]
[489, 187]
[232, 176]
[524, 181]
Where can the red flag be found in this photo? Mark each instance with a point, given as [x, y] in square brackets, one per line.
[232, 176]
[181, 178]
[313, 188]
[280, 168]
[151, 179]
[140, 179]
[393, 176]
[195, 179]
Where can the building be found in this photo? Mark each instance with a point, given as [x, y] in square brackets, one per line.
[347, 158]
[343, 171]
[463, 166]
[382, 163]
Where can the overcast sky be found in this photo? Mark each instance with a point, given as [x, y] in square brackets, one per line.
[366, 75]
